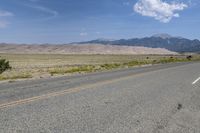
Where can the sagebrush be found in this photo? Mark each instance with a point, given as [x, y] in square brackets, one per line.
[4, 65]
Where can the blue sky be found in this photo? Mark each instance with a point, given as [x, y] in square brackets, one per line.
[64, 21]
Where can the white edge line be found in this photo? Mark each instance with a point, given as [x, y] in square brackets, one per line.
[196, 81]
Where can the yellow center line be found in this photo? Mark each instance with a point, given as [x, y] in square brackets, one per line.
[63, 92]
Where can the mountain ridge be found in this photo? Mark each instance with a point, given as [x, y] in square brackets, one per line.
[176, 44]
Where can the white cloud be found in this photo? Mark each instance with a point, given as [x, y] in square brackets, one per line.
[83, 34]
[158, 9]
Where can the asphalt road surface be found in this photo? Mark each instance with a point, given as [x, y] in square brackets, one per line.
[154, 99]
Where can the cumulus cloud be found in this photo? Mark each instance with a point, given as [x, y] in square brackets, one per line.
[159, 9]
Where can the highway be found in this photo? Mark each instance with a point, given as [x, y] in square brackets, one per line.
[152, 99]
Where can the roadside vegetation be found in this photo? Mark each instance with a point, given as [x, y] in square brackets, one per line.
[4, 65]
[41, 66]
[17, 76]
[103, 67]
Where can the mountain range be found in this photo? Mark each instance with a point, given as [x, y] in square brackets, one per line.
[176, 44]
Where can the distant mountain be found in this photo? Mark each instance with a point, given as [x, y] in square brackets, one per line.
[176, 44]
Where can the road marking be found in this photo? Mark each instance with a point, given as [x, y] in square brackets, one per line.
[67, 91]
[196, 81]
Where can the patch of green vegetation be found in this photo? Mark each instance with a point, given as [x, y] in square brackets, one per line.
[75, 69]
[87, 68]
[18, 76]
[102, 67]
[169, 60]
[110, 66]
[4, 65]
[45, 64]
[135, 63]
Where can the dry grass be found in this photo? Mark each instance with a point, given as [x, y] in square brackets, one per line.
[44, 65]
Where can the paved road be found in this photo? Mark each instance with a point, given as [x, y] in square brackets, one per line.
[160, 98]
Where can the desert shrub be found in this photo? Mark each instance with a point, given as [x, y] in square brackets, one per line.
[16, 76]
[189, 57]
[75, 69]
[135, 63]
[86, 68]
[110, 66]
[154, 62]
[4, 65]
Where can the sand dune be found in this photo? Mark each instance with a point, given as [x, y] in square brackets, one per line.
[80, 49]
